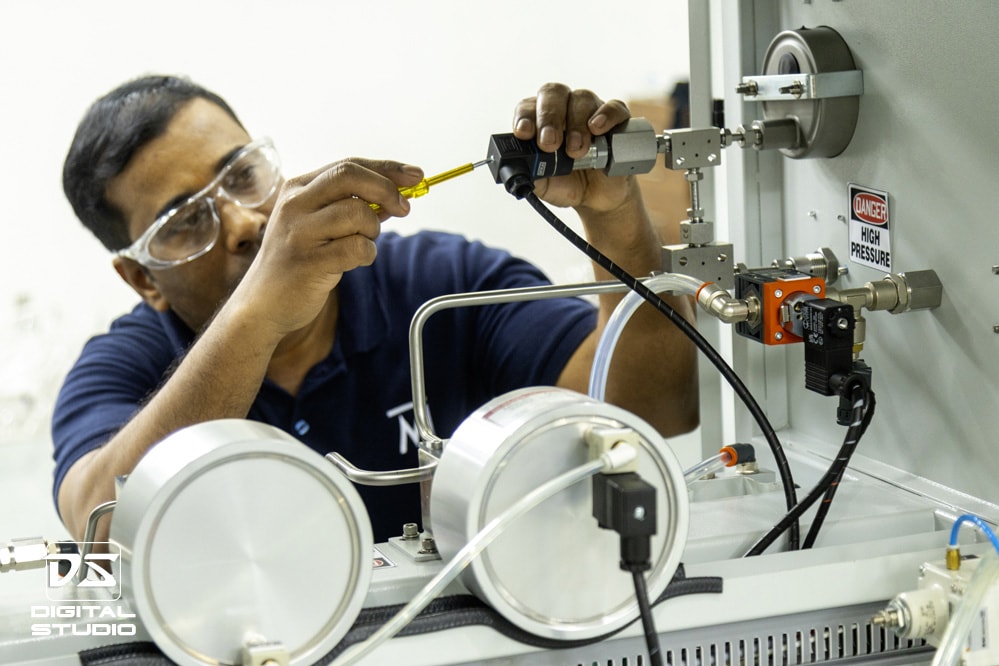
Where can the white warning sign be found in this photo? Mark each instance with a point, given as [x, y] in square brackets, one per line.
[870, 233]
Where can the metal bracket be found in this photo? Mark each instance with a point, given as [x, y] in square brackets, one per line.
[711, 262]
[792, 87]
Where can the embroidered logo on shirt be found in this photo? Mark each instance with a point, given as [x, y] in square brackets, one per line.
[407, 430]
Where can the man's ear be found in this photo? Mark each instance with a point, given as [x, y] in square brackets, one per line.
[139, 279]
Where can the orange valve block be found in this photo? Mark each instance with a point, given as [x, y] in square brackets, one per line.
[779, 292]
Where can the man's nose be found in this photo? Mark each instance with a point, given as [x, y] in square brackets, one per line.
[242, 228]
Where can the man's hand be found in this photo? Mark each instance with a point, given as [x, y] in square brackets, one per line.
[558, 115]
[321, 227]
[655, 378]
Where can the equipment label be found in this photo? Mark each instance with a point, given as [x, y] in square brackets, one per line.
[379, 561]
[870, 239]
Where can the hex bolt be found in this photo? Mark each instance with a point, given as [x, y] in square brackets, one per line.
[747, 88]
[887, 618]
[795, 89]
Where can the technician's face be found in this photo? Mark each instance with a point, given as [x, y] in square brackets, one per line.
[197, 143]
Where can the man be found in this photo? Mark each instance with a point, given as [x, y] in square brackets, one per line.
[263, 298]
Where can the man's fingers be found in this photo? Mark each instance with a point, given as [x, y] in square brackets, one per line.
[373, 181]
[558, 116]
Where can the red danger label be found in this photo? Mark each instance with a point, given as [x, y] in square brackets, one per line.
[870, 208]
[870, 227]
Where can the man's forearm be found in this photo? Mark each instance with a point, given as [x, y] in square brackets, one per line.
[211, 382]
[655, 373]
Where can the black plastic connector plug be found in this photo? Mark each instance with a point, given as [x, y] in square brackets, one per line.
[843, 385]
[517, 164]
[627, 504]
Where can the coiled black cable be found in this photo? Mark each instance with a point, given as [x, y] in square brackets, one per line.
[863, 410]
[783, 468]
[863, 415]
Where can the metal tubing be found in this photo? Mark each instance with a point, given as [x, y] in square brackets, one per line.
[379, 477]
[88, 538]
[435, 305]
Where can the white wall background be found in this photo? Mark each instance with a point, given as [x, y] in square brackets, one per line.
[423, 82]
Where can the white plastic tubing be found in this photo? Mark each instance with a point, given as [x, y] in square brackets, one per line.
[622, 313]
[616, 458]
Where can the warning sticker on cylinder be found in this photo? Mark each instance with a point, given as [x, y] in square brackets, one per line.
[523, 404]
[379, 561]
[870, 224]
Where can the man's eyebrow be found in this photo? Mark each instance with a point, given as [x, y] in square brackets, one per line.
[184, 196]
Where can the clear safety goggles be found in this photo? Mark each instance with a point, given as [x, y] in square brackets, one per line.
[191, 229]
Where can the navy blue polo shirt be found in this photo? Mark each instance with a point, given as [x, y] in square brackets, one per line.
[357, 401]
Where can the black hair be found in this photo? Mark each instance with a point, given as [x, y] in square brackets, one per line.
[112, 130]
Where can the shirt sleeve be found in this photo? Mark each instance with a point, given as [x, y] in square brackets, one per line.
[115, 373]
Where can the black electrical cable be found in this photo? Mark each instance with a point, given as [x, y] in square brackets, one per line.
[822, 511]
[648, 622]
[861, 416]
[865, 401]
[783, 468]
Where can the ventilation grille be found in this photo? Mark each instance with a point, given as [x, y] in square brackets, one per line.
[834, 636]
[821, 644]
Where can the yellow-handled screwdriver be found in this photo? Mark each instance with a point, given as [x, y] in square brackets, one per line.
[424, 185]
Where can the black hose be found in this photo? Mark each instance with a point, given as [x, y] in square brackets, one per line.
[822, 511]
[440, 614]
[864, 419]
[863, 400]
[140, 653]
[783, 468]
[465, 610]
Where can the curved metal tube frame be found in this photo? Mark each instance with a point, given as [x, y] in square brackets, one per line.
[88, 538]
[378, 477]
[430, 440]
